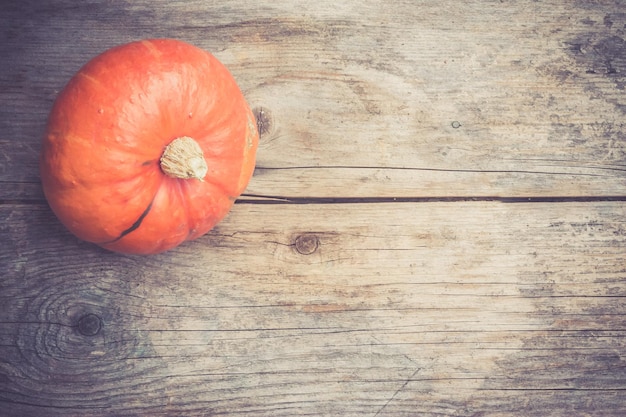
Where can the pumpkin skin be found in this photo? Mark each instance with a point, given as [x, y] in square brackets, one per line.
[107, 131]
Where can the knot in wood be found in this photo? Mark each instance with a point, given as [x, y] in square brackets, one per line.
[89, 325]
[264, 120]
[306, 244]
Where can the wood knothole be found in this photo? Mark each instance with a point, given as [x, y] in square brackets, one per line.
[264, 121]
[306, 244]
[89, 325]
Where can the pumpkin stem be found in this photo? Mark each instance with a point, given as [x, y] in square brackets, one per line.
[183, 158]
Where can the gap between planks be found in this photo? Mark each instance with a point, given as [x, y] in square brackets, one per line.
[265, 199]
[268, 199]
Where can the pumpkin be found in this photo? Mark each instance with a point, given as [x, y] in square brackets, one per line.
[147, 146]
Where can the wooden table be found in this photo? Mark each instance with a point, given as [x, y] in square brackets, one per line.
[436, 225]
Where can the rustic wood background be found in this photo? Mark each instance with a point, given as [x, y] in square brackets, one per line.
[436, 225]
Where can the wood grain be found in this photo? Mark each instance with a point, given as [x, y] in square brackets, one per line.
[436, 225]
[407, 309]
[479, 98]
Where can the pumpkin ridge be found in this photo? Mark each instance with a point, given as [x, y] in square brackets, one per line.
[133, 227]
[183, 196]
[152, 48]
[83, 73]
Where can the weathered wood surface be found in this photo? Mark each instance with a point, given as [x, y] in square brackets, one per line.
[393, 310]
[462, 252]
[478, 98]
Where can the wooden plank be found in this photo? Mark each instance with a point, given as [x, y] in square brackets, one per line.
[415, 307]
[436, 99]
[465, 308]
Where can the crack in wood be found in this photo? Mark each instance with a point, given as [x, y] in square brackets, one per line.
[397, 168]
[275, 199]
[270, 199]
[395, 394]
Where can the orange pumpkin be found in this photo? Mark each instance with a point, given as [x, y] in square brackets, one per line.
[147, 146]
